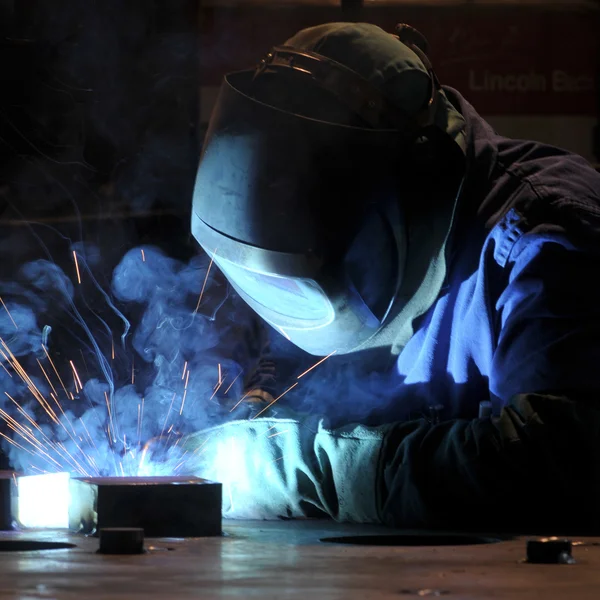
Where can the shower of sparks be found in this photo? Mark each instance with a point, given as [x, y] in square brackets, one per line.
[8, 313]
[205, 280]
[276, 399]
[76, 266]
[184, 393]
[143, 255]
[316, 365]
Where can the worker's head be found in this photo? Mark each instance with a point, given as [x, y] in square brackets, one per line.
[327, 186]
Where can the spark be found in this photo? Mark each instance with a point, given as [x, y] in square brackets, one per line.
[27, 435]
[132, 370]
[271, 404]
[218, 384]
[110, 418]
[278, 433]
[7, 371]
[88, 434]
[46, 376]
[184, 393]
[35, 392]
[242, 399]
[201, 445]
[205, 280]
[112, 350]
[55, 370]
[121, 466]
[277, 459]
[76, 374]
[316, 364]
[15, 479]
[236, 378]
[272, 427]
[143, 456]
[76, 266]
[217, 387]
[140, 419]
[9, 315]
[143, 255]
[168, 413]
[181, 462]
[55, 399]
[83, 359]
[184, 369]
[33, 422]
[11, 441]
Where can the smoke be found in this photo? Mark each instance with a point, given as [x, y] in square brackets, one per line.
[88, 399]
[113, 330]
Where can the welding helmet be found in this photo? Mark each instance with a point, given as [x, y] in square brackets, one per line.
[308, 218]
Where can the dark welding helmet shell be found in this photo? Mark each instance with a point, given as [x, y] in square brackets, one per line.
[304, 217]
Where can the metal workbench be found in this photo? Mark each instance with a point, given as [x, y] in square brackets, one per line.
[286, 559]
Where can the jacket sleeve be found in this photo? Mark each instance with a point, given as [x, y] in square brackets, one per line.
[536, 466]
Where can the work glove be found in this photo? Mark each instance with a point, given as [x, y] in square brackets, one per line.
[281, 467]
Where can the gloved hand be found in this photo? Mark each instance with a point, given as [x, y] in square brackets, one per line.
[277, 467]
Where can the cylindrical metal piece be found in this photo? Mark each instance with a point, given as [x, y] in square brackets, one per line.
[121, 540]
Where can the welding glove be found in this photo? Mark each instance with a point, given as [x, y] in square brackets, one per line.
[275, 467]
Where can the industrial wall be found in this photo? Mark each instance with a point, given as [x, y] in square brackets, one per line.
[531, 69]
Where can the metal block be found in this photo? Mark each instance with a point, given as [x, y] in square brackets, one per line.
[161, 506]
[8, 500]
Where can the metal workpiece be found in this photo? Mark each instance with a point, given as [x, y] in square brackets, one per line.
[162, 506]
[552, 550]
[8, 500]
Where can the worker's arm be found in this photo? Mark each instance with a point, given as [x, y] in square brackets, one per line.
[534, 466]
[538, 463]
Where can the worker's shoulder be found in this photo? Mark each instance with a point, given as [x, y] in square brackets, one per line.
[559, 178]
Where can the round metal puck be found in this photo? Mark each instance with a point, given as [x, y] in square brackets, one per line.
[549, 551]
[121, 540]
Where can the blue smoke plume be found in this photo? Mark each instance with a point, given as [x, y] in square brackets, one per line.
[91, 409]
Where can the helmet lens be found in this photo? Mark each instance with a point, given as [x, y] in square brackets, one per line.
[283, 301]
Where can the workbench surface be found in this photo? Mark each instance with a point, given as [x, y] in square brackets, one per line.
[287, 560]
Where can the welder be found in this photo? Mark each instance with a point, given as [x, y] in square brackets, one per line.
[359, 206]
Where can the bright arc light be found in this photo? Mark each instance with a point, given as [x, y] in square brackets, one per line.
[44, 500]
